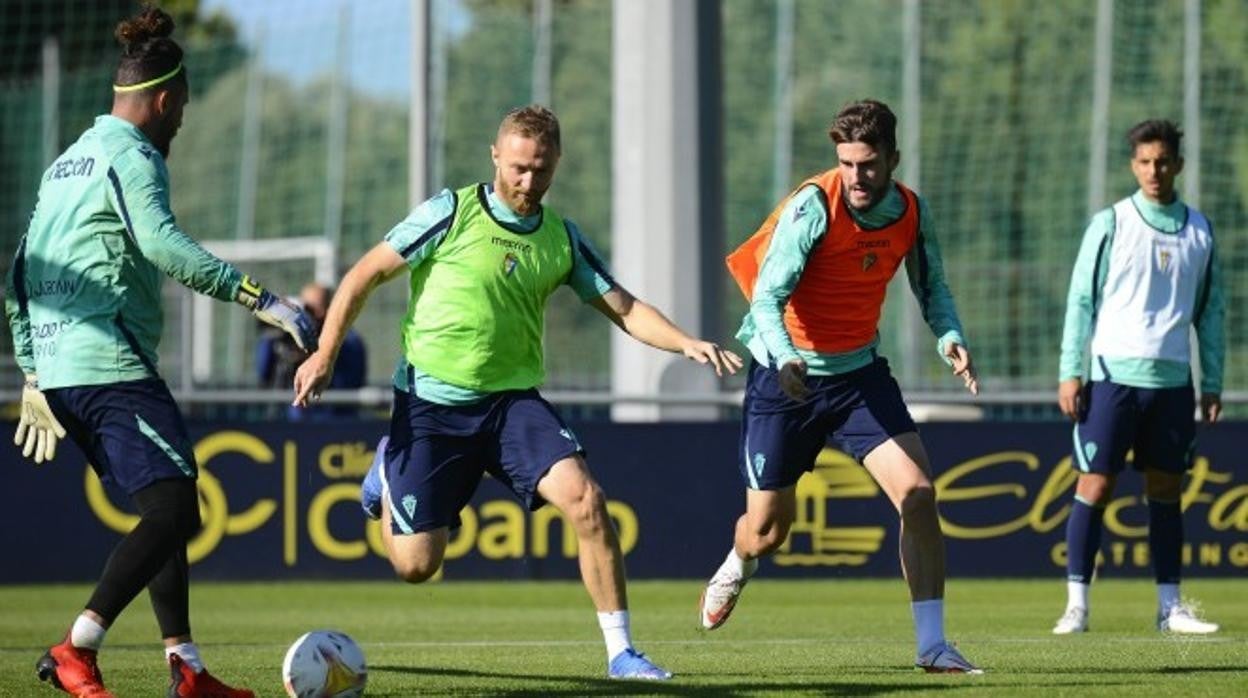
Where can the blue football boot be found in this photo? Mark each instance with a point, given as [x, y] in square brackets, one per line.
[371, 490]
[631, 664]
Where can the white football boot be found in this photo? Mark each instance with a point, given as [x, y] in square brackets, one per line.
[1074, 620]
[946, 659]
[1181, 619]
[719, 598]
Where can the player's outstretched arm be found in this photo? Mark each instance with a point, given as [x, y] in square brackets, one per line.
[646, 324]
[376, 267]
[272, 309]
[139, 193]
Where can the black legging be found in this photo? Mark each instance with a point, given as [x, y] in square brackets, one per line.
[153, 555]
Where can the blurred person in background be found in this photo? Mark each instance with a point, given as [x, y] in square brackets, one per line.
[84, 305]
[1146, 274]
[481, 263]
[816, 273]
[278, 357]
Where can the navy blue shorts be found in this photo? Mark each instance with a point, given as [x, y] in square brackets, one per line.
[132, 433]
[438, 453]
[1158, 423]
[780, 438]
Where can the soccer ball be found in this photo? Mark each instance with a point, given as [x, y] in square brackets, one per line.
[324, 664]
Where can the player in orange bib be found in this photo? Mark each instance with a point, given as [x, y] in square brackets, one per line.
[816, 274]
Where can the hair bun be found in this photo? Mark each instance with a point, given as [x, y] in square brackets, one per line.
[151, 23]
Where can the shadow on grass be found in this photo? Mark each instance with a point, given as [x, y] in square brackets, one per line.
[1197, 670]
[580, 686]
[1132, 671]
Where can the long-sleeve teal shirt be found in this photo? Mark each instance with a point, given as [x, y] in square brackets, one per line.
[1088, 289]
[802, 223]
[83, 295]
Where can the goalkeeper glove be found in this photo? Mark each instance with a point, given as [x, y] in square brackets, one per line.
[38, 430]
[278, 312]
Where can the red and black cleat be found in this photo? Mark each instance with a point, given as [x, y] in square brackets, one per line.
[72, 670]
[186, 683]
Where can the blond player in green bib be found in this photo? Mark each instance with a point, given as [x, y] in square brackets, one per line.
[482, 262]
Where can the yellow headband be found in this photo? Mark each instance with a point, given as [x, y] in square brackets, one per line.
[150, 83]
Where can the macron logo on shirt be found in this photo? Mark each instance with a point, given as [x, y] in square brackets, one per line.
[71, 167]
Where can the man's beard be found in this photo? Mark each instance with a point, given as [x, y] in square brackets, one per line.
[516, 199]
[873, 197]
[162, 143]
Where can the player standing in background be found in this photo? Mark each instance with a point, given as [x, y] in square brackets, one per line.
[816, 275]
[277, 359]
[482, 263]
[1145, 275]
[84, 305]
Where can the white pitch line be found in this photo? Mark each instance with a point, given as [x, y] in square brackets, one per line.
[788, 641]
[439, 644]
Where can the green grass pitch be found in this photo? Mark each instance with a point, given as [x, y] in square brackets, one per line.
[848, 638]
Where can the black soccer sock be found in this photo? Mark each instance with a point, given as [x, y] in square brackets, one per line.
[1165, 540]
[168, 518]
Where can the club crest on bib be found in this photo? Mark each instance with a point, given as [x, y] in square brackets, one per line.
[1163, 260]
[868, 261]
[509, 263]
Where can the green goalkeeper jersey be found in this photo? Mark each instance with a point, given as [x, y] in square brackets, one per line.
[83, 295]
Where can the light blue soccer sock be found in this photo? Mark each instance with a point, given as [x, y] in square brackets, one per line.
[929, 625]
[615, 632]
[1167, 598]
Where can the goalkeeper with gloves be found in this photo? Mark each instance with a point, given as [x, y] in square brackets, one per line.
[83, 301]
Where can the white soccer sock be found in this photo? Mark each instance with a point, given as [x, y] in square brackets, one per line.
[929, 624]
[1077, 595]
[1167, 597]
[737, 566]
[86, 633]
[189, 654]
[615, 632]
